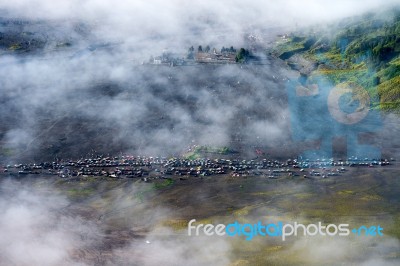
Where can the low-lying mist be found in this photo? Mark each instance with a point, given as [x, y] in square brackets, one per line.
[68, 108]
[50, 222]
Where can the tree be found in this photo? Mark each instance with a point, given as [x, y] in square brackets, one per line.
[190, 53]
[242, 55]
[207, 50]
[200, 49]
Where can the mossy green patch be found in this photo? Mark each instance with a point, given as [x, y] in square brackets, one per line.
[15, 47]
[79, 193]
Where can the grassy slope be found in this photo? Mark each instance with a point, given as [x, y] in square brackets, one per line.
[365, 50]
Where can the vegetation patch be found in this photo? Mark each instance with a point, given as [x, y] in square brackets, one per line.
[366, 51]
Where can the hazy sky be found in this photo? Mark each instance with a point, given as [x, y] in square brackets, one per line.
[167, 10]
[177, 20]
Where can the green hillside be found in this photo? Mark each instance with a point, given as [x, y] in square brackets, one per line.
[363, 49]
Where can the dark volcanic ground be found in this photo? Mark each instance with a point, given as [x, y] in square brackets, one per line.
[161, 111]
